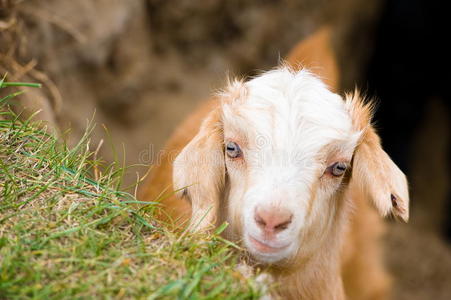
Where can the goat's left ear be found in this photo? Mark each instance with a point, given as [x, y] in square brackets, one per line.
[372, 169]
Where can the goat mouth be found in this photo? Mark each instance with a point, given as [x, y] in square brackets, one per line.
[263, 247]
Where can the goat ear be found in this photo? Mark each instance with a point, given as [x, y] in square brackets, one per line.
[199, 172]
[373, 170]
[316, 53]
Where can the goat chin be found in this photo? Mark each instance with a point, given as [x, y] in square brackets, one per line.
[294, 168]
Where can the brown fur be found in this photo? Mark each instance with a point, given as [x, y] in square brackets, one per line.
[316, 53]
[350, 263]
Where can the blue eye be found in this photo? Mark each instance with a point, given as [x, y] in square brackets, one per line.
[338, 168]
[233, 150]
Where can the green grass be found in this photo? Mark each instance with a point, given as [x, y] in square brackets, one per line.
[64, 234]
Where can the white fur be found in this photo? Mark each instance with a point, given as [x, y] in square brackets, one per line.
[282, 125]
[291, 130]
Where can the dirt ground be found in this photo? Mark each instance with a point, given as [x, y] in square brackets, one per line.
[138, 67]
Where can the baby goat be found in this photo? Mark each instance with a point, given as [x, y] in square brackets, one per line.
[291, 166]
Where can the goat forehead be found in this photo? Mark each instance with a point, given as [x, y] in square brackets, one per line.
[292, 110]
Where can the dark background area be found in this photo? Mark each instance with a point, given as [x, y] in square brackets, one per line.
[409, 65]
[408, 72]
[139, 67]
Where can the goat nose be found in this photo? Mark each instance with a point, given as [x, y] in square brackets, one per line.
[273, 220]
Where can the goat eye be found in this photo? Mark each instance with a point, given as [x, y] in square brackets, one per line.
[233, 150]
[338, 168]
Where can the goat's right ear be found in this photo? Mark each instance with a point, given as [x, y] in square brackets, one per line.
[372, 169]
[199, 172]
[317, 54]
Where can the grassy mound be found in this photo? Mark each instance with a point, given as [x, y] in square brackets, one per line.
[65, 235]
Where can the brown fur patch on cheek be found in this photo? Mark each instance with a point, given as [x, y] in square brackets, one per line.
[237, 174]
[313, 193]
[336, 185]
[347, 177]
[234, 217]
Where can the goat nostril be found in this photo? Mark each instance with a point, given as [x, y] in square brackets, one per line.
[259, 220]
[283, 226]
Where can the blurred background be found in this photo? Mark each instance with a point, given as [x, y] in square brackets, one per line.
[139, 66]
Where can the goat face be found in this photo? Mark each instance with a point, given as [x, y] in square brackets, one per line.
[275, 158]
